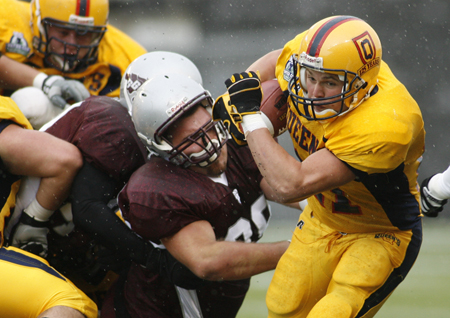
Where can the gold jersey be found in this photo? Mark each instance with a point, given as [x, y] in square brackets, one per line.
[381, 141]
[116, 50]
[10, 186]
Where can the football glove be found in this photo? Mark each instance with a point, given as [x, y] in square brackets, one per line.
[223, 110]
[245, 92]
[60, 90]
[31, 235]
[431, 205]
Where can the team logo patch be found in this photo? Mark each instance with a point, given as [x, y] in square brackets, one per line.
[367, 52]
[288, 72]
[389, 237]
[18, 44]
[300, 224]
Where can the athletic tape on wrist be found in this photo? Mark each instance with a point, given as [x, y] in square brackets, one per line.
[252, 122]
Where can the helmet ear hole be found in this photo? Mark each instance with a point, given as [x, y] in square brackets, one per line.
[303, 78]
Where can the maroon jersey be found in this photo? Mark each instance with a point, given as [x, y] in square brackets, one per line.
[102, 130]
[161, 198]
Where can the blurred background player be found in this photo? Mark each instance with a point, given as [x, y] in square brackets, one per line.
[87, 239]
[434, 193]
[359, 136]
[199, 196]
[61, 41]
[30, 287]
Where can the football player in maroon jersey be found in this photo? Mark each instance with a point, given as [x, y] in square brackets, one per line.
[102, 130]
[198, 195]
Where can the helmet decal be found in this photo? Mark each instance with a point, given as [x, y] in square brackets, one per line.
[133, 82]
[367, 52]
[83, 8]
[322, 33]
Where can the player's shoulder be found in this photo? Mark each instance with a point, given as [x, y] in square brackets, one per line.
[15, 8]
[104, 105]
[118, 48]
[15, 31]
[284, 68]
[10, 111]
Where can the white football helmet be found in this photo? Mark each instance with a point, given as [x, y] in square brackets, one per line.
[150, 64]
[159, 103]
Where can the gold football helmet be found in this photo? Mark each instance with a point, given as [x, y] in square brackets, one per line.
[87, 18]
[342, 45]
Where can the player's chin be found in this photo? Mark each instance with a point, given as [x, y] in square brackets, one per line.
[220, 165]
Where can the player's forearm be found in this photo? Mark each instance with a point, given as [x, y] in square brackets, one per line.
[15, 75]
[236, 260]
[439, 185]
[279, 169]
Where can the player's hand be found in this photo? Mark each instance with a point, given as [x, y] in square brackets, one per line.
[245, 92]
[222, 110]
[60, 90]
[431, 206]
[163, 263]
[31, 235]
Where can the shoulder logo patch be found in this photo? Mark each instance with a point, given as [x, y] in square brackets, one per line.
[18, 44]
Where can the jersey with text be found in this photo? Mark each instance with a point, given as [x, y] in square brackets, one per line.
[381, 141]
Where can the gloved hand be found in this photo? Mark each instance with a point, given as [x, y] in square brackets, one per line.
[60, 90]
[431, 205]
[245, 92]
[163, 263]
[222, 110]
[31, 235]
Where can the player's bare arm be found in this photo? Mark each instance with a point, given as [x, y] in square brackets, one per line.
[290, 179]
[196, 247]
[9, 70]
[35, 153]
[266, 65]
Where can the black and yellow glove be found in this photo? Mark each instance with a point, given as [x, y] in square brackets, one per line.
[245, 92]
[244, 98]
[223, 110]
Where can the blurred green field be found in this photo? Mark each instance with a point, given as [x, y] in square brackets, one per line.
[424, 293]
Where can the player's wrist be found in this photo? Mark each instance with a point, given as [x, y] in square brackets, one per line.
[252, 122]
[435, 187]
[37, 212]
[39, 79]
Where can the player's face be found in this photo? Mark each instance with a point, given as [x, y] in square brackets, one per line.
[323, 85]
[186, 127]
[72, 41]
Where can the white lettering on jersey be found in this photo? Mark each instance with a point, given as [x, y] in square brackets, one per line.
[242, 229]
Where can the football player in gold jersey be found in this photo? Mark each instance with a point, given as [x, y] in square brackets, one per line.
[359, 137]
[30, 287]
[69, 49]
